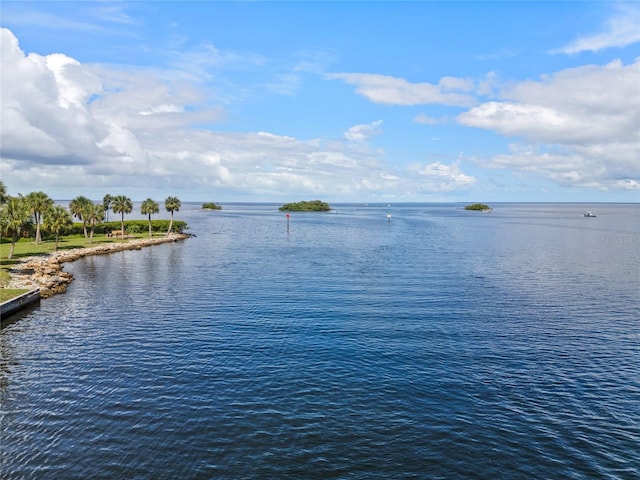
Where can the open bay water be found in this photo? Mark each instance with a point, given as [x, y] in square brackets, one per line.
[442, 344]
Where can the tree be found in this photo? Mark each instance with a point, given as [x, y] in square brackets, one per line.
[78, 208]
[94, 214]
[122, 204]
[149, 207]
[172, 204]
[106, 204]
[4, 198]
[57, 219]
[38, 203]
[14, 218]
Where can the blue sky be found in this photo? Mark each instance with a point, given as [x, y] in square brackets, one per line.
[339, 101]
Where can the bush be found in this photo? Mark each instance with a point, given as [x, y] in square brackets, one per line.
[158, 226]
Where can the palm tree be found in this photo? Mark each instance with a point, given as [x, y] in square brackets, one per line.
[122, 204]
[106, 204]
[38, 203]
[94, 214]
[14, 217]
[78, 207]
[149, 207]
[172, 204]
[57, 219]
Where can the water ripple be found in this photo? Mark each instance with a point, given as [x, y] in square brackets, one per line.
[438, 346]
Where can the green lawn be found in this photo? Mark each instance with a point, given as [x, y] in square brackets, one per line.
[26, 247]
[9, 293]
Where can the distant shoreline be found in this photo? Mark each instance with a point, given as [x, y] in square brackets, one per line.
[45, 271]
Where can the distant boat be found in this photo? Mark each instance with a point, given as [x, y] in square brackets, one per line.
[590, 213]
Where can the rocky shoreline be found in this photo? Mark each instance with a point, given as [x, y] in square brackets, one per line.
[45, 271]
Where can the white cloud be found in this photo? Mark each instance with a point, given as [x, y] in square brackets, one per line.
[579, 126]
[364, 131]
[43, 116]
[439, 177]
[133, 131]
[621, 30]
[398, 91]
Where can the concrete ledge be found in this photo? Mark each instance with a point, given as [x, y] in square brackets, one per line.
[23, 301]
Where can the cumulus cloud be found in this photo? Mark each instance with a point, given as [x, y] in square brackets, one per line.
[578, 126]
[440, 177]
[43, 113]
[620, 30]
[364, 131]
[135, 131]
[398, 91]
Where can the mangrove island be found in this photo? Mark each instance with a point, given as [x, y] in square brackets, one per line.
[306, 206]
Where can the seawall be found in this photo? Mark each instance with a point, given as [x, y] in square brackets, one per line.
[18, 303]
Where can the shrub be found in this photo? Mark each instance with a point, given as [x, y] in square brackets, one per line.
[159, 226]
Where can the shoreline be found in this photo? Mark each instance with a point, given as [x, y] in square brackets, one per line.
[46, 271]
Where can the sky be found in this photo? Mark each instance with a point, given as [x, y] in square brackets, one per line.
[363, 101]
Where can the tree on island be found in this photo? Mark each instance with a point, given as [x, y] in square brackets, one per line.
[477, 206]
[78, 208]
[306, 206]
[211, 206]
[38, 203]
[122, 205]
[172, 204]
[149, 207]
[57, 219]
[14, 218]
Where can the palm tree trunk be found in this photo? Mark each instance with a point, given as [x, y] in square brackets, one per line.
[14, 239]
[122, 226]
[38, 235]
[150, 234]
[57, 239]
[170, 223]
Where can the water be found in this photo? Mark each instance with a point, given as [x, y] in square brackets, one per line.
[442, 344]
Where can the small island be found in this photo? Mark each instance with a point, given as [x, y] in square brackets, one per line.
[211, 206]
[479, 206]
[306, 206]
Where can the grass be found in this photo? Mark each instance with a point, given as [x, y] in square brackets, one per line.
[26, 247]
[9, 293]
